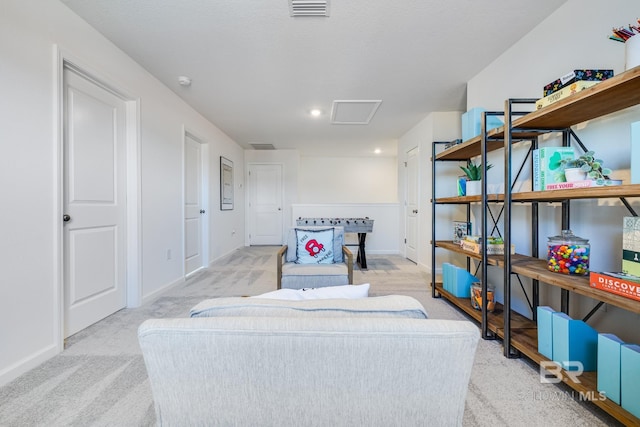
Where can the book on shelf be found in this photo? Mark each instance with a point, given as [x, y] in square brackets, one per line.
[492, 248]
[460, 230]
[586, 183]
[618, 283]
[565, 92]
[631, 245]
[630, 381]
[493, 240]
[545, 331]
[635, 153]
[608, 366]
[547, 166]
[574, 341]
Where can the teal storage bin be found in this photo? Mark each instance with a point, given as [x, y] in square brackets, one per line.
[574, 341]
[608, 373]
[630, 378]
[472, 123]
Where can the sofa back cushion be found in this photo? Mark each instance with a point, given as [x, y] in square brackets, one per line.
[400, 306]
[279, 371]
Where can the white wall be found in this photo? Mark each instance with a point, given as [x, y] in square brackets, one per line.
[443, 126]
[290, 161]
[338, 187]
[383, 239]
[348, 179]
[30, 290]
[573, 37]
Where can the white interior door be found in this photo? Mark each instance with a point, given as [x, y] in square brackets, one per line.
[411, 238]
[265, 204]
[194, 210]
[94, 203]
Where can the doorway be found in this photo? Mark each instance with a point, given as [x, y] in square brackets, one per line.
[412, 205]
[195, 203]
[265, 204]
[94, 193]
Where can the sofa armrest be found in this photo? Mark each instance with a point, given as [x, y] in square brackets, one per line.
[349, 261]
[280, 255]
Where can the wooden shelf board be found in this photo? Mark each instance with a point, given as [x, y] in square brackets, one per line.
[537, 269]
[497, 260]
[524, 338]
[616, 191]
[526, 341]
[469, 199]
[609, 96]
[495, 319]
[629, 190]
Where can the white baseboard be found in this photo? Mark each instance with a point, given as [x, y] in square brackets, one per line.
[153, 295]
[26, 364]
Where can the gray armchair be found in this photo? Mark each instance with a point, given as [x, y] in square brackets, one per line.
[293, 274]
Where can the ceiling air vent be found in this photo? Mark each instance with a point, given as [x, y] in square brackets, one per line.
[309, 8]
[263, 146]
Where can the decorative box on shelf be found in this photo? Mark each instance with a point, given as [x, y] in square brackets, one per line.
[563, 93]
[631, 245]
[460, 230]
[495, 245]
[617, 283]
[574, 76]
[472, 123]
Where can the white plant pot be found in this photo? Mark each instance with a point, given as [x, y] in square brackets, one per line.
[474, 188]
[575, 174]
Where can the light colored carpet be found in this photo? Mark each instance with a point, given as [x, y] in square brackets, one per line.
[100, 379]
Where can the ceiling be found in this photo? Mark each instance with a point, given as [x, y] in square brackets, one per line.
[257, 72]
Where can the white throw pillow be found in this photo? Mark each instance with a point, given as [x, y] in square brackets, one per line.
[314, 247]
[345, 291]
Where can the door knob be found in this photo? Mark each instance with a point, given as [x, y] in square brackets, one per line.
[279, 209]
[66, 218]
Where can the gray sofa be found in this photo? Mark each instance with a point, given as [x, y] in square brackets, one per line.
[256, 362]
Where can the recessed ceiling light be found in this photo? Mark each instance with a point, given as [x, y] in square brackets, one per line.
[377, 151]
[316, 112]
[184, 81]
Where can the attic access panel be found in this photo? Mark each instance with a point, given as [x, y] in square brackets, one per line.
[356, 112]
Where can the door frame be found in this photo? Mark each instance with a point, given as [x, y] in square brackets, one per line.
[204, 197]
[63, 59]
[248, 220]
[406, 199]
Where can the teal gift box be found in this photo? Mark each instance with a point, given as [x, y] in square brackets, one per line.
[472, 123]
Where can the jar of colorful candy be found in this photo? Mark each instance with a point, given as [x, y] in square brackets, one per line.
[568, 254]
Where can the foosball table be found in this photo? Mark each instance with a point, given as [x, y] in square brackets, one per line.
[362, 226]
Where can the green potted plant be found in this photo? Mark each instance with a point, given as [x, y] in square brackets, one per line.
[474, 177]
[587, 166]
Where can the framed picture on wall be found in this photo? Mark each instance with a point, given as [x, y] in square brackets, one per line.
[226, 184]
